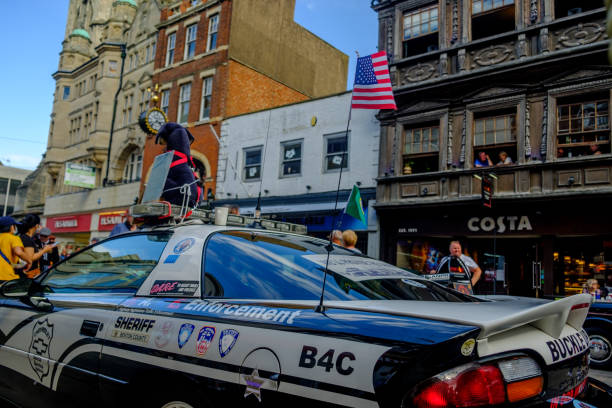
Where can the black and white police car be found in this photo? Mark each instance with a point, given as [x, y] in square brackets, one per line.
[194, 314]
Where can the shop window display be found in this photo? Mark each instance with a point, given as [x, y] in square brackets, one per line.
[573, 267]
[419, 255]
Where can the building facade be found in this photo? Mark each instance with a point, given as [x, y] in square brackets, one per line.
[11, 179]
[223, 58]
[293, 155]
[527, 83]
[102, 81]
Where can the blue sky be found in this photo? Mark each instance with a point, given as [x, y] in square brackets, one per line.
[31, 54]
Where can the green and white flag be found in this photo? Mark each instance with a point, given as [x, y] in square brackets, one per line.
[354, 206]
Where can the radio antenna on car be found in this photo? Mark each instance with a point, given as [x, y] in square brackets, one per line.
[330, 246]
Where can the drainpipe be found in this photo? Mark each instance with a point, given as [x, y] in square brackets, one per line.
[112, 129]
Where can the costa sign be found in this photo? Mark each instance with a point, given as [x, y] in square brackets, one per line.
[507, 223]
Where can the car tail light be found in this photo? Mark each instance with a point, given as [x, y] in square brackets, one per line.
[477, 385]
[474, 386]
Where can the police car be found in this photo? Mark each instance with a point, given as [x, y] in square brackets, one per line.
[192, 314]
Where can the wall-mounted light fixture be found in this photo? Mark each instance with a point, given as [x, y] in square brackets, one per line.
[358, 183]
[571, 180]
[425, 191]
[266, 191]
[308, 187]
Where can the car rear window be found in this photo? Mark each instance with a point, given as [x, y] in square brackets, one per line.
[262, 265]
[116, 265]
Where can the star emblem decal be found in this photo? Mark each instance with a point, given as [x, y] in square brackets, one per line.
[253, 384]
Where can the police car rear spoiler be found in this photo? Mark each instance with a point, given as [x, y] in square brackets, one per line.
[162, 210]
[491, 317]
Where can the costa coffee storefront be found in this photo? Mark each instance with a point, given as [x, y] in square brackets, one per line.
[543, 249]
[78, 229]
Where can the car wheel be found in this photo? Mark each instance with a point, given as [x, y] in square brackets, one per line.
[177, 404]
[600, 345]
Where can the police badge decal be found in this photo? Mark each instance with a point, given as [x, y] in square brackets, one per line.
[39, 356]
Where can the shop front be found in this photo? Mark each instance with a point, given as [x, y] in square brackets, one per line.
[536, 249]
[73, 229]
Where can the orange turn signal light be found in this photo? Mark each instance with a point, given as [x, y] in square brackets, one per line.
[521, 390]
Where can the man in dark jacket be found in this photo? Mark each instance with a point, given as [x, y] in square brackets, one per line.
[49, 258]
[176, 138]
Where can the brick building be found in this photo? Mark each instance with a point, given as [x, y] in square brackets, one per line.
[223, 58]
[530, 79]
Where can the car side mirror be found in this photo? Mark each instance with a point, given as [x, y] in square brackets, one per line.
[16, 288]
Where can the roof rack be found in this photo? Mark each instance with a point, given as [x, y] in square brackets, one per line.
[163, 210]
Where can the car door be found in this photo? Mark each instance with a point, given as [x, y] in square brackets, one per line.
[59, 348]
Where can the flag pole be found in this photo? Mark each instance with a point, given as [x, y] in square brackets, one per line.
[330, 246]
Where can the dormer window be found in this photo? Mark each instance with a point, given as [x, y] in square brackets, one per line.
[420, 31]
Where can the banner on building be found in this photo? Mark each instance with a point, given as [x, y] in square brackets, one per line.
[79, 175]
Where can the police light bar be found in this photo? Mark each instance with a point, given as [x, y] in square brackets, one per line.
[163, 209]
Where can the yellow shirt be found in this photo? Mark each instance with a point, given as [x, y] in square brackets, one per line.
[8, 241]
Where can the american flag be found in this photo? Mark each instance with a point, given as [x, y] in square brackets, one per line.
[372, 88]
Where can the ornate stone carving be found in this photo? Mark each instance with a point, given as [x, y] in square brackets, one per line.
[419, 72]
[492, 55]
[583, 33]
[449, 146]
[527, 130]
[522, 46]
[463, 135]
[455, 21]
[544, 41]
[533, 11]
[443, 64]
[543, 145]
[461, 60]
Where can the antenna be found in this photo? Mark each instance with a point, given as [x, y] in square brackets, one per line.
[330, 246]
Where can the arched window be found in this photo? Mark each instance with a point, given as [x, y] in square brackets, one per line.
[133, 167]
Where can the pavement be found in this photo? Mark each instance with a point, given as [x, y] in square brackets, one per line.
[602, 375]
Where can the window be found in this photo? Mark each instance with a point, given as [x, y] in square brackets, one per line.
[564, 8]
[170, 49]
[129, 109]
[184, 97]
[292, 158]
[153, 48]
[115, 265]
[13, 187]
[190, 41]
[494, 130]
[165, 100]
[421, 149]
[336, 151]
[252, 163]
[420, 31]
[495, 136]
[491, 17]
[207, 84]
[241, 264]
[213, 27]
[480, 6]
[66, 93]
[583, 127]
[133, 167]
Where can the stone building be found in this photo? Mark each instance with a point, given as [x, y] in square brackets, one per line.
[223, 58]
[91, 75]
[529, 79]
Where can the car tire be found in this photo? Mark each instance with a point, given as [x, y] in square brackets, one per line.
[177, 404]
[600, 345]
